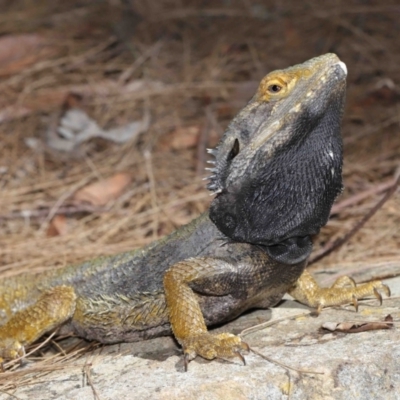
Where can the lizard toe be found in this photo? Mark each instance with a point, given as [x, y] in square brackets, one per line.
[211, 346]
[10, 349]
[337, 294]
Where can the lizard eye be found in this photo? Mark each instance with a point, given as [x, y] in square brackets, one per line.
[235, 150]
[274, 88]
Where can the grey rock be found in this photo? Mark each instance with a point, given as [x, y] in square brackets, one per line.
[348, 366]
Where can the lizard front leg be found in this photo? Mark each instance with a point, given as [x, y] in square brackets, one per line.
[52, 308]
[343, 291]
[185, 314]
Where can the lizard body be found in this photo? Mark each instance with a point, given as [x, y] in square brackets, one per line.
[277, 172]
[104, 284]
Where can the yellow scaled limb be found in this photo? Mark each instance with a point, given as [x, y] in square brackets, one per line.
[185, 314]
[343, 291]
[51, 309]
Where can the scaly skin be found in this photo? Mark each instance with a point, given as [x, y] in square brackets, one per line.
[277, 173]
[111, 306]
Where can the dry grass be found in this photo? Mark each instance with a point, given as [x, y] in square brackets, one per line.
[199, 64]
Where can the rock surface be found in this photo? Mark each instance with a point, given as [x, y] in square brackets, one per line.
[344, 366]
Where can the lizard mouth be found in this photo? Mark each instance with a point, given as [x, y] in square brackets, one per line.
[343, 66]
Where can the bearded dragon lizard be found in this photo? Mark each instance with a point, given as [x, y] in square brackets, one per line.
[277, 173]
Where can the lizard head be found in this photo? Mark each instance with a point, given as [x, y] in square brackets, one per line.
[278, 167]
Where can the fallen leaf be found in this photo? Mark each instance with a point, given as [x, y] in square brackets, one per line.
[385, 93]
[292, 35]
[180, 138]
[72, 100]
[102, 192]
[13, 112]
[389, 318]
[20, 51]
[58, 226]
[76, 127]
[351, 327]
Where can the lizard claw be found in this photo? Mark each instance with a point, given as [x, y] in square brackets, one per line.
[378, 296]
[210, 346]
[241, 357]
[355, 301]
[340, 294]
[384, 288]
[186, 360]
[368, 289]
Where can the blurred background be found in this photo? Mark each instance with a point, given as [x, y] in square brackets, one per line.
[107, 108]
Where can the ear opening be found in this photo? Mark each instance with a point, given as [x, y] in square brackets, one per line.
[235, 150]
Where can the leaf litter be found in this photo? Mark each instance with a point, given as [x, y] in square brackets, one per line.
[192, 82]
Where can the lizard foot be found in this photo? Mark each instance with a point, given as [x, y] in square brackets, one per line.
[210, 346]
[52, 308]
[343, 291]
[10, 349]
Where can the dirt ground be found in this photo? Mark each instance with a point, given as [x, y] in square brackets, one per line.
[180, 70]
